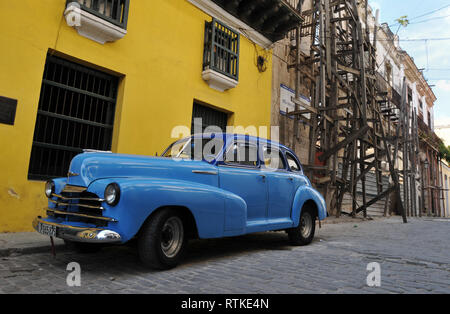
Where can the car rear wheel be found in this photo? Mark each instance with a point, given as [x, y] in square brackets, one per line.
[162, 242]
[304, 233]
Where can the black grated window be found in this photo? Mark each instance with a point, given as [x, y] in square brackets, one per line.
[209, 117]
[76, 112]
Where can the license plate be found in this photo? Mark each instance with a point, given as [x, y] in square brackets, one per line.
[47, 229]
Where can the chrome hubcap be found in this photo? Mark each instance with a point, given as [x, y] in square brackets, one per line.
[172, 237]
[306, 225]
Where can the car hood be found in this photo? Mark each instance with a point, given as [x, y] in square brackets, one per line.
[88, 167]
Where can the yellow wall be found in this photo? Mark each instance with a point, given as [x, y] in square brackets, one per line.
[161, 62]
[446, 185]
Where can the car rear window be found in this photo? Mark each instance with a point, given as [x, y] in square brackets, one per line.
[292, 163]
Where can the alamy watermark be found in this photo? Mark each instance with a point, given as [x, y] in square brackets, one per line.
[73, 279]
[374, 277]
[73, 14]
[207, 145]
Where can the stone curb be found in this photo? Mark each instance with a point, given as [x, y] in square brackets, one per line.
[30, 250]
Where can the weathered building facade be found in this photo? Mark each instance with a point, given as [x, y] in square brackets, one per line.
[420, 105]
[403, 97]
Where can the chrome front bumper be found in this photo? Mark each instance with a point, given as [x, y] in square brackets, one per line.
[79, 234]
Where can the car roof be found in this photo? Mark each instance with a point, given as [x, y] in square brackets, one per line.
[241, 137]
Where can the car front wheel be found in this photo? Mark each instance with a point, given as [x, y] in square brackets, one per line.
[304, 233]
[162, 242]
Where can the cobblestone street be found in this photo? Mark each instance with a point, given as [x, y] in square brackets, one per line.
[414, 258]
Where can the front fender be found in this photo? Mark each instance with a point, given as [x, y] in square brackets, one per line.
[141, 197]
[306, 193]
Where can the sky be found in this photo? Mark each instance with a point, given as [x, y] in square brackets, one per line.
[429, 19]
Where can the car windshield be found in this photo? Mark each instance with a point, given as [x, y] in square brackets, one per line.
[178, 149]
[197, 149]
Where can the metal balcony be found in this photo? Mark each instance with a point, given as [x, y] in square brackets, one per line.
[396, 98]
[272, 18]
[221, 52]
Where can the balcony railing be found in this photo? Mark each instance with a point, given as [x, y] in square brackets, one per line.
[113, 11]
[423, 126]
[221, 51]
[428, 134]
[272, 18]
[295, 4]
[396, 98]
[382, 84]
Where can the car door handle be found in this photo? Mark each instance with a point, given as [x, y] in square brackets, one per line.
[263, 176]
[205, 172]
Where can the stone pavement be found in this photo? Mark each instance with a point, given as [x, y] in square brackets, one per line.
[26, 243]
[414, 258]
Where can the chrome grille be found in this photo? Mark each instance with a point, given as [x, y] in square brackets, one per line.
[76, 204]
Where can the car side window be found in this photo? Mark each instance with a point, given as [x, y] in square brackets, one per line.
[242, 154]
[273, 159]
[195, 148]
[292, 163]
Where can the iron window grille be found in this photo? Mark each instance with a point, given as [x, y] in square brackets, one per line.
[76, 111]
[209, 117]
[221, 51]
[113, 11]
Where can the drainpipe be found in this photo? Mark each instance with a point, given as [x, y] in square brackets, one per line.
[422, 183]
[427, 182]
[441, 191]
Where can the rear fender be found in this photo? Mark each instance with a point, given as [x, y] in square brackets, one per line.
[304, 194]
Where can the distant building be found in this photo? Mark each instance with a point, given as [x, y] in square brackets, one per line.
[397, 66]
[397, 77]
[421, 99]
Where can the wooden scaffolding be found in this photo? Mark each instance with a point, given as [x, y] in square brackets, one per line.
[354, 128]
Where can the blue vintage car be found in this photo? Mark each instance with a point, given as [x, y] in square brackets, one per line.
[204, 186]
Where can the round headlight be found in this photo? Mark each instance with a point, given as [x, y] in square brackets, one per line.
[112, 194]
[49, 188]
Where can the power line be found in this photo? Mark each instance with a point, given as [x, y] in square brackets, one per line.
[425, 39]
[425, 14]
[431, 12]
[428, 20]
